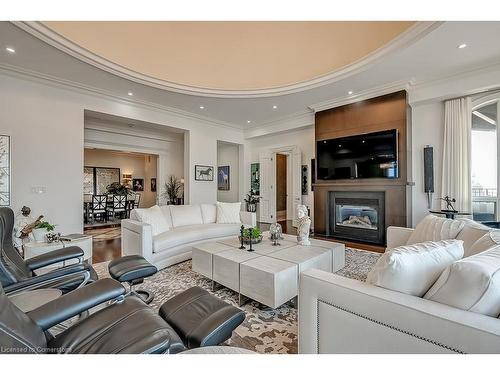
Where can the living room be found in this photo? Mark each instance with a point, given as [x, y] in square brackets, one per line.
[253, 192]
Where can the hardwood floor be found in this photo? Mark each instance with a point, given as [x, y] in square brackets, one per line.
[106, 250]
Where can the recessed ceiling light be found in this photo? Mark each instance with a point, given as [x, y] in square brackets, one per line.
[349, 92]
[130, 94]
[248, 121]
[10, 50]
[202, 107]
[275, 106]
[460, 46]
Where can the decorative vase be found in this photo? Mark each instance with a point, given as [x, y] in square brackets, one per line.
[40, 234]
[251, 207]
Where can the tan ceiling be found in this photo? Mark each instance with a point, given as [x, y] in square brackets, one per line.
[231, 55]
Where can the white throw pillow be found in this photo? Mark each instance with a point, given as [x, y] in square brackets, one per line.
[186, 215]
[412, 269]
[154, 217]
[434, 228]
[471, 284]
[471, 232]
[486, 242]
[228, 213]
[209, 213]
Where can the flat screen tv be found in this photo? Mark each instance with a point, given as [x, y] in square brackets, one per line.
[373, 155]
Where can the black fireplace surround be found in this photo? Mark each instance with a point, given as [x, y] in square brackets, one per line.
[357, 216]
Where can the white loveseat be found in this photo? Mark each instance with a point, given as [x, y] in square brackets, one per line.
[341, 315]
[188, 225]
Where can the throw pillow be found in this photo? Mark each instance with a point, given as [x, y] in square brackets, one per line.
[471, 284]
[412, 269]
[486, 242]
[434, 228]
[154, 217]
[228, 213]
[471, 232]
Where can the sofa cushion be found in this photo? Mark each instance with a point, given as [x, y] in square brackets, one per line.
[192, 233]
[186, 215]
[209, 213]
[228, 213]
[471, 284]
[470, 233]
[412, 269]
[166, 212]
[434, 228]
[486, 242]
[154, 217]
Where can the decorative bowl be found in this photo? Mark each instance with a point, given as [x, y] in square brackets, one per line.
[255, 240]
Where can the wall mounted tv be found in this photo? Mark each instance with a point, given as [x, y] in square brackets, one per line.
[372, 155]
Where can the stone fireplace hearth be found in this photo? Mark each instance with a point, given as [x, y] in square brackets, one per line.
[357, 215]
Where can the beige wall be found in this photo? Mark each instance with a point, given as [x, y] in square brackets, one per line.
[138, 165]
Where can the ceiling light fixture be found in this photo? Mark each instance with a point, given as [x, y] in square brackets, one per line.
[10, 50]
[461, 46]
[202, 107]
[275, 106]
[248, 121]
[349, 92]
[130, 94]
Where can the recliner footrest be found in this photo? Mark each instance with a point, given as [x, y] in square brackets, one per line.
[200, 318]
[131, 269]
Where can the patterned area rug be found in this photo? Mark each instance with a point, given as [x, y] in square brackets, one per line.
[265, 330]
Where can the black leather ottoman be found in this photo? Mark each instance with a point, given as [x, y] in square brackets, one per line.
[133, 269]
[200, 318]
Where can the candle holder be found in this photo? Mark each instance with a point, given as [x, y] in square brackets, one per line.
[250, 230]
[242, 247]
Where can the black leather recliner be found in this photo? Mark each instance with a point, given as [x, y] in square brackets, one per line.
[17, 275]
[127, 325]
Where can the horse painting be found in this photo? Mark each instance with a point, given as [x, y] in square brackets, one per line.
[223, 178]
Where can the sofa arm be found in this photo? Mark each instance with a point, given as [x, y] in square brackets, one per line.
[248, 218]
[137, 239]
[398, 236]
[341, 315]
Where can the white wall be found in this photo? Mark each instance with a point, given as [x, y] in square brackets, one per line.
[46, 123]
[303, 139]
[427, 129]
[228, 154]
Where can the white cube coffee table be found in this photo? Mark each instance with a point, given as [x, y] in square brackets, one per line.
[269, 281]
[269, 274]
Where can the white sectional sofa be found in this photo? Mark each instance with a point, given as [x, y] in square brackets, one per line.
[188, 225]
[341, 315]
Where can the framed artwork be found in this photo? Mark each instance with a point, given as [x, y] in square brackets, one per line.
[138, 184]
[153, 184]
[203, 173]
[255, 178]
[88, 180]
[304, 179]
[223, 178]
[5, 170]
[105, 177]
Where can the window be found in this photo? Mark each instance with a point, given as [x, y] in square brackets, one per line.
[484, 162]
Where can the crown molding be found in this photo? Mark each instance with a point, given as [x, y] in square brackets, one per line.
[37, 77]
[296, 121]
[363, 95]
[403, 40]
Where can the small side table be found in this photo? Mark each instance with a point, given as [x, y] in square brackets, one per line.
[33, 249]
[448, 213]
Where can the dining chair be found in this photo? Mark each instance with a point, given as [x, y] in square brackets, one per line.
[137, 200]
[119, 205]
[98, 207]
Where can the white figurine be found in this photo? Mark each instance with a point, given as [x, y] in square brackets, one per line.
[304, 223]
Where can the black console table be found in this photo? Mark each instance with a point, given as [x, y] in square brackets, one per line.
[448, 213]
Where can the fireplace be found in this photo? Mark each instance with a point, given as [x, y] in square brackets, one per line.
[358, 216]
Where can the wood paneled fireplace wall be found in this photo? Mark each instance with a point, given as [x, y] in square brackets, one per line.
[385, 112]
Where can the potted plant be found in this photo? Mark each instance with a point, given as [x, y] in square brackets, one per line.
[251, 201]
[172, 190]
[253, 234]
[118, 189]
[41, 229]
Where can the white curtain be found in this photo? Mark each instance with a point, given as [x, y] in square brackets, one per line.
[456, 179]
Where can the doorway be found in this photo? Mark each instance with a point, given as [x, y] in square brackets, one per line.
[281, 187]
